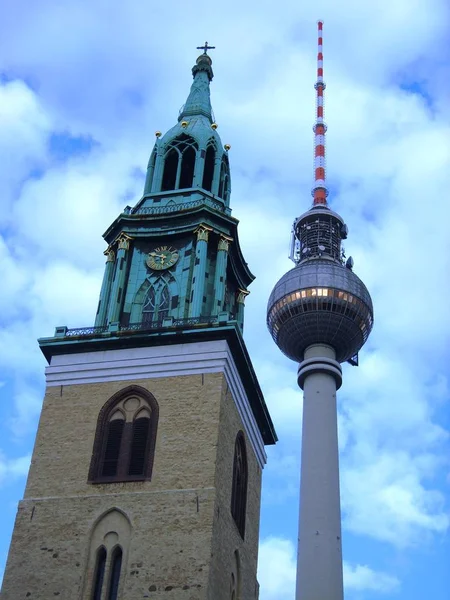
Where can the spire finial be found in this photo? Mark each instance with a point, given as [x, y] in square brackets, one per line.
[319, 191]
[205, 48]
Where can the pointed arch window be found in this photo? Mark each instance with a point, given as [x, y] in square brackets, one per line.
[208, 171]
[224, 179]
[240, 480]
[187, 168]
[150, 172]
[157, 301]
[179, 164]
[170, 170]
[99, 575]
[125, 438]
[107, 556]
[235, 583]
[116, 566]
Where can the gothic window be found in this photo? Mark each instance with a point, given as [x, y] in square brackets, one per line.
[125, 437]
[116, 565]
[149, 307]
[150, 172]
[235, 582]
[179, 164]
[107, 555]
[99, 575]
[208, 172]
[224, 179]
[170, 170]
[233, 587]
[157, 302]
[187, 168]
[239, 488]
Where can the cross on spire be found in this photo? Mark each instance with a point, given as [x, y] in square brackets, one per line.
[205, 48]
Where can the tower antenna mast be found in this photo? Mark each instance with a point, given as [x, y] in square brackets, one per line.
[305, 315]
[319, 191]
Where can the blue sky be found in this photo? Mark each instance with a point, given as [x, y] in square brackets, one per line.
[83, 87]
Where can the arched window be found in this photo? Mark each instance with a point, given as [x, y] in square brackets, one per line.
[99, 575]
[170, 170]
[150, 173]
[235, 582]
[125, 438]
[157, 302]
[179, 164]
[107, 555]
[224, 179]
[187, 168]
[208, 172]
[240, 479]
[233, 587]
[114, 578]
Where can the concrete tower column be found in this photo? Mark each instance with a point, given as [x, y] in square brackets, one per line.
[319, 562]
[106, 288]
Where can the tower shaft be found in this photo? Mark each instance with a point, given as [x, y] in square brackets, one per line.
[319, 562]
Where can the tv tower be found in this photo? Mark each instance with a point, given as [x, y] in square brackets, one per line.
[320, 314]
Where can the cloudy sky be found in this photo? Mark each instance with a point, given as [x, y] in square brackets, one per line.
[83, 87]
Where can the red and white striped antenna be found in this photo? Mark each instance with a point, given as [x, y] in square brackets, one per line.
[319, 191]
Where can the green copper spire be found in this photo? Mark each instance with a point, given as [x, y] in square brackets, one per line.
[173, 259]
[198, 102]
[189, 164]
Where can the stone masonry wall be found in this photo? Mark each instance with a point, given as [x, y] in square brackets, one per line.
[171, 516]
[226, 538]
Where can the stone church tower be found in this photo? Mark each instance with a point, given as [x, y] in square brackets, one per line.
[145, 480]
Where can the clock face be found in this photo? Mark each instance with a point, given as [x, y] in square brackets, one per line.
[162, 257]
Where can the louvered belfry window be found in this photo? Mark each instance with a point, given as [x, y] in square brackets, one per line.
[240, 479]
[125, 438]
[139, 441]
[112, 447]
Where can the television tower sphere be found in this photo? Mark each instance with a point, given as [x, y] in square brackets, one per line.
[320, 301]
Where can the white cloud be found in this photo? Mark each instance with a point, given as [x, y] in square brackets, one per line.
[25, 127]
[13, 468]
[362, 578]
[277, 565]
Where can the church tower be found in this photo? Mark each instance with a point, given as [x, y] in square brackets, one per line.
[145, 480]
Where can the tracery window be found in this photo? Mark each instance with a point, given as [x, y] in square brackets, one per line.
[157, 301]
[239, 487]
[179, 164]
[125, 438]
[107, 556]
